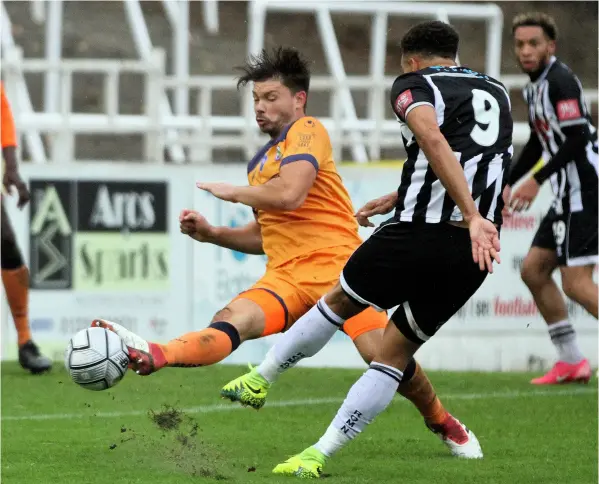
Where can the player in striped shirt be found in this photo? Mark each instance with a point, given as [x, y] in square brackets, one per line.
[562, 132]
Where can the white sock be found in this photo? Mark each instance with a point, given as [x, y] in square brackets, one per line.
[563, 337]
[304, 339]
[368, 397]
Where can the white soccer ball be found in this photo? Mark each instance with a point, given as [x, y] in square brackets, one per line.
[96, 358]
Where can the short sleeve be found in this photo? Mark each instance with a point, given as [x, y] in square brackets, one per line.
[565, 95]
[408, 92]
[307, 140]
[9, 134]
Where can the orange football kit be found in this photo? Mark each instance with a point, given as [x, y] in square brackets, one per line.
[308, 247]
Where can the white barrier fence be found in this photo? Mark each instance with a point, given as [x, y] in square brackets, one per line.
[189, 137]
[103, 241]
[200, 130]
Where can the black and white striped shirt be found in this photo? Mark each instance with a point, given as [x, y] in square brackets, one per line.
[474, 115]
[555, 103]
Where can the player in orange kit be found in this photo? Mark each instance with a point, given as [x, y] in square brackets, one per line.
[305, 224]
[15, 276]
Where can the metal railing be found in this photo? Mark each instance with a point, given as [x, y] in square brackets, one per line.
[196, 127]
[17, 89]
[380, 12]
[365, 141]
[201, 132]
[51, 13]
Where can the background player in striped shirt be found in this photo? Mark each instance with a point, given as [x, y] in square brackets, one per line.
[15, 275]
[305, 224]
[563, 133]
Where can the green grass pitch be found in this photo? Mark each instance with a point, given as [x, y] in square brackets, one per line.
[54, 432]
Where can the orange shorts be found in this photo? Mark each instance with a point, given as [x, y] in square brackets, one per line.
[287, 292]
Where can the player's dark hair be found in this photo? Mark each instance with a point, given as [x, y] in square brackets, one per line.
[431, 39]
[536, 19]
[283, 63]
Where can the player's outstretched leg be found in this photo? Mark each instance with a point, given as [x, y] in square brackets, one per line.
[311, 333]
[15, 278]
[241, 320]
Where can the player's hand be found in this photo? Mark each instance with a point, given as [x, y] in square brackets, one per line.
[379, 206]
[525, 195]
[507, 196]
[224, 191]
[485, 243]
[195, 225]
[13, 179]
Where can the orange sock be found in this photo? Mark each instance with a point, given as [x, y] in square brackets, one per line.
[16, 286]
[419, 390]
[202, 348]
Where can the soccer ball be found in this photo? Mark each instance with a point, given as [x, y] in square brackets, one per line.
[96, 358]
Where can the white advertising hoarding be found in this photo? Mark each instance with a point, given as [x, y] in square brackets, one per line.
[102, 241]
[124, 258]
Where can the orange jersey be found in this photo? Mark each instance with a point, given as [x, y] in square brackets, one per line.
[326, 218]
[8, 133]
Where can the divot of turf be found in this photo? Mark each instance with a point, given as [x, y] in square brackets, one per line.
[185, 451]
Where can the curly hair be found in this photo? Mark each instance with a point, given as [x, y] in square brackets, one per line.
[536, 19]
[431, 39]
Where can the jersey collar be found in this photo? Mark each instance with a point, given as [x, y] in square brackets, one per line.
[543, 75]
[258, 157]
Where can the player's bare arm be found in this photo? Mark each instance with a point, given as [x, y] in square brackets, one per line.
[531, 154]
[246, 239]
[378, 206]
[286, 192]
[422, 121]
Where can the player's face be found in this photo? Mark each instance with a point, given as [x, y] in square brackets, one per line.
[276, 106]
[533, 48]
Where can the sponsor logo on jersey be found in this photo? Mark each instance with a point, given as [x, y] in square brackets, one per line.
[568, 109]
[403, 101]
